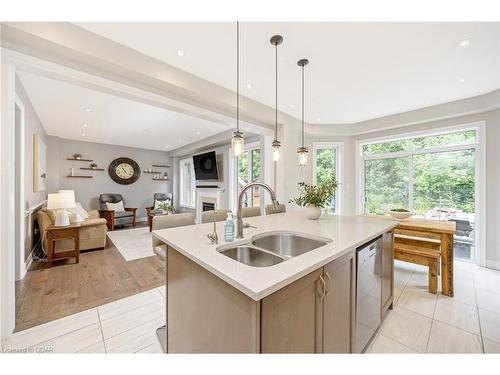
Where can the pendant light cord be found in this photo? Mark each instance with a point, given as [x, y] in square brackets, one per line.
[237, 76]
[276, 99]
[302, 105]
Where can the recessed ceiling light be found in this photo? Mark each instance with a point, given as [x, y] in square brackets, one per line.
[180, 140]
[180, 53]
[167, 146]
[464, 43]
[292, 106]
[87, 110]
[197, 133]
[249, 86]
[318, 119]
[461, 80]
[85, 125]
[83, 134]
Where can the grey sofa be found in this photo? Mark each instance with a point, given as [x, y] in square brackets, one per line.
[113, 218]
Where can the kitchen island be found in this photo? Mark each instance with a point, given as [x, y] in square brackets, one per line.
[303, 302]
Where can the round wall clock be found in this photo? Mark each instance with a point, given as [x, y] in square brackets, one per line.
[124, 171]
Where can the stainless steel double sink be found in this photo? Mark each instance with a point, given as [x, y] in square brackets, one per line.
[268, 249]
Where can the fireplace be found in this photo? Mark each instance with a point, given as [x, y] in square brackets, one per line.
[208, 206]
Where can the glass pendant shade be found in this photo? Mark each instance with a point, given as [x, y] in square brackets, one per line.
[276, 150]
[238, 143]
[303, 154]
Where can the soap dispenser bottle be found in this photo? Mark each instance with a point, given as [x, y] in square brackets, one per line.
[229, 228]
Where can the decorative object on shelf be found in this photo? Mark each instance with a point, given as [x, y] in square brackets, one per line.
[400, 213]
[276, 40]
[302, 151]
[77, 156]
[93, 166]
[39, 164]
[72, 171]
[238, 142]
[124, 171]
[59, 202]
[313, 198]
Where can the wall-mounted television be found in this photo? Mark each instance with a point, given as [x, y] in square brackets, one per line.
[205, 167]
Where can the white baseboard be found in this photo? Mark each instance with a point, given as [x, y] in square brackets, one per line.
[493, 264]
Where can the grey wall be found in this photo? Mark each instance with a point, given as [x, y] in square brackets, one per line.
[138, 194]
[32, 126]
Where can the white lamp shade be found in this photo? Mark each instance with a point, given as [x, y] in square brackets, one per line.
[60, 201]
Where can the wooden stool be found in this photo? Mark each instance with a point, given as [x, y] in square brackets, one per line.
[425, 252]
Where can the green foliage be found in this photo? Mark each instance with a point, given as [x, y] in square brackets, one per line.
[442, 179]
[166, 207]
[318, 196]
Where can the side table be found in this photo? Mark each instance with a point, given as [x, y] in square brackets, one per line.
[61, 233]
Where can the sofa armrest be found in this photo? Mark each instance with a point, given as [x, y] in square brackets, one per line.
[109, 215]
[93, 214]
[93, 222]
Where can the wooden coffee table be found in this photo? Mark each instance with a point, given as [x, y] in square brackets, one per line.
[61, 233]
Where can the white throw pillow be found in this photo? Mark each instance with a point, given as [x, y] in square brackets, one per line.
[117, 207]
[79, 210]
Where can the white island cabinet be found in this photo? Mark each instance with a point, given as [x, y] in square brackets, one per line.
[304, 304]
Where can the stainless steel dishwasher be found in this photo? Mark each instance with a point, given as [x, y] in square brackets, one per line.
[368, 292]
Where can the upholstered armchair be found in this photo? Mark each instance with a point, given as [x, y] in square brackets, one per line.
[115, 218]
[160, 197]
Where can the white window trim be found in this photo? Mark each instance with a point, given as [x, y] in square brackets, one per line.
[480, 168]
[339, 169]
[182, 204]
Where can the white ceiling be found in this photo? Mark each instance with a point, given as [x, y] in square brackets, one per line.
[357, 71]
[112, 120]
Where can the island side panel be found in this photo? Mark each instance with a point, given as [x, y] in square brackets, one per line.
[205, 314]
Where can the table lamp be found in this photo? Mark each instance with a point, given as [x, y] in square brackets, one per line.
[59, 202]
[74, 216]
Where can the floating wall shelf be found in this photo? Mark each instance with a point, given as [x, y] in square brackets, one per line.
[92, 169]
[80, 176]
[160, 166]
[154, 172]
[160, 179]
[73, 159]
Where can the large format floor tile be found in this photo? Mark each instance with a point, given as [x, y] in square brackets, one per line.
[51, 330]
[124, 305]
[490, 324]
[448, 339]
[382, 344]
[152, 349]
[407, 328]
[491, 347]
[457, 314]
[488, 300]
[418, 300]
[136, 338]
[74, 341]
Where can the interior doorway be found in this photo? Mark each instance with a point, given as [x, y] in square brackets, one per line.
[20, 227]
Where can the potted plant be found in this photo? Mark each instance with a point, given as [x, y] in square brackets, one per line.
[77, 156]
[166, 207]
[314, 198]
[400, 213]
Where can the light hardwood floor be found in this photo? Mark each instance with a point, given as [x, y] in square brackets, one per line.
[102, 276]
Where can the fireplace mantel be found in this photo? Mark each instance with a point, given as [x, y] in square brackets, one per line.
[209, 195]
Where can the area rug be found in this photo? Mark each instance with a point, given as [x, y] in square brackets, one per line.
[132, 243]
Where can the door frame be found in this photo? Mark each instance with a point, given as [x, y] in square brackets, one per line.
[480, 172]
[20, 181]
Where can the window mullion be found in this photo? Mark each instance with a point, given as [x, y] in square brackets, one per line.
[410, 183]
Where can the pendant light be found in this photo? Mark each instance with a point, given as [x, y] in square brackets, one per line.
[275, 41]
[302, 152]
[238, 142]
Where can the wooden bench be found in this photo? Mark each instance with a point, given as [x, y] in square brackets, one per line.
[414, 248]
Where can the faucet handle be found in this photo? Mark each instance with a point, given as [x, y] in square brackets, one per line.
[213, 238]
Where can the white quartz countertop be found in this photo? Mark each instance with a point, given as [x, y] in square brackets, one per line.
[346, 233]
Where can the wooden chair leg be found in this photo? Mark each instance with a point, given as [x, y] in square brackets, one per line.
[433, 275]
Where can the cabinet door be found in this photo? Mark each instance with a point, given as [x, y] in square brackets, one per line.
[339, 304]
[291, 320]
[387, 271]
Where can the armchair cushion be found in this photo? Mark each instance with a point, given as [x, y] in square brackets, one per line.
[117, 207]
[119, 214]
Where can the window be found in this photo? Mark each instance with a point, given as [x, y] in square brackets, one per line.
[187, 183]
[249, 170]
[433, 176]
[326, 158]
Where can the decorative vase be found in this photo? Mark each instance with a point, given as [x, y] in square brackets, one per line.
[313, 212]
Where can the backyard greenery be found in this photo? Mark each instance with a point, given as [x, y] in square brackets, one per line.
[318, 195]
[440, 179]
